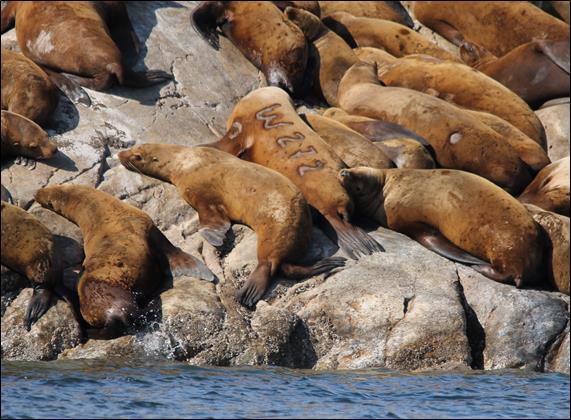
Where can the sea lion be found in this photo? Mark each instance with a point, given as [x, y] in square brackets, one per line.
[457, 215]
[6, 196]
[262, 33]
[264, 128]
[550, 188]
[490, 24]
[455, 83]
[96, 56]
[333, 57]
[126, 256]
[396, 39]
[23, 137]
[27, 89]
[387, 10]
[562, 8]
[270, 204]
[460, 140]
[310, 6]
[556, 228]
[537, 71]
[28, 248]
[555, 119]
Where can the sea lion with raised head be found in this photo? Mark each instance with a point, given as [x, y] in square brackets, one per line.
[456, 214]
[460, 140]
[262, 33]
[224, 189]
[126, 257]
[264, 128]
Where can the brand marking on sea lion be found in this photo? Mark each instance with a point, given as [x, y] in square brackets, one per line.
[304, 168]
[235, 130]
[455, 138]
[284, 140]
[300, 153]
[267, 119]
[42, 44]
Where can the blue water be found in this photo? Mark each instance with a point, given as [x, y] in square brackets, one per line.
[75, 389]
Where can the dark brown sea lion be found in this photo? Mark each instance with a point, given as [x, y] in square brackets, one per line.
[27, 89]
[87, 41]
[537, 71]
[262, 33]
[28, 248]
[224, 189]
[550, 188]
[264, 128]
[126, 256]
[460, 140]
[396, 39]
[498, 26]
[457, 215]
[456, 83]
[23, 137]
[387, 10]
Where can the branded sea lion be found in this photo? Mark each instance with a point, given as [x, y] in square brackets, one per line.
[550, 188]
[455, 83]
[262, 33]
[387, 10]
[213, 183]
[89, 42]
[456, 214]
[264, 128]
[460, 140]
[396, 39]
[537, 71]
[27, 89]
[28, 248]
[333, 56]
[126, 256]
[23, 137]
[490, 24]
[556, 228]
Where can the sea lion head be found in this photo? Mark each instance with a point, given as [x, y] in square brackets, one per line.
[148, 159]
[26, 138]
[365, 186]
[473, 54]
[53, 197]
[309, 24]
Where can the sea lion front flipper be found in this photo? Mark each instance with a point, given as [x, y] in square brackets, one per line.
[299, 272]
[72, 299]
[122, 33]
[8, 16]
[180, 263]
[214, 224]
[255, 286]
[557, 52]
[354, 241]
[141, 79]
[447, 31]
[40, 302]
[378, 130]
[206, 18]
[70, 88]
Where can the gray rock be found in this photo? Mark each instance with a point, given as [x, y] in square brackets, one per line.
[555, 119]
[558, 357]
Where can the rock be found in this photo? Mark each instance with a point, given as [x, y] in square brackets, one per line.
[12, 285]
[558, 358]
[119, 348]
[555, 119]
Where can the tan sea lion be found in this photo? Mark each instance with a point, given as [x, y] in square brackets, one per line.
[491, 24]
[456, 83]
[27, 89]
[310, 6]
[396, 39]
[460, 140]
[537, 71]
[95, 56]
[550, 188]
[262, 33]
[333, 57]
[556, 229]
[126, 256]
[28, 248]
[387, 10]
[23, 137]
[241, 192]
[264, 128]
[457, 215]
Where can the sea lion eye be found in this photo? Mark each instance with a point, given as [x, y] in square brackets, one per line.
[33, 145]
[16, 144]
[137, 157]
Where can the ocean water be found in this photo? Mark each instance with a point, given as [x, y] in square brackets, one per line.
[97, 389]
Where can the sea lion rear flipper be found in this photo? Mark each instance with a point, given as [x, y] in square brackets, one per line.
[205, 19]
[146, 78]
[382, 130]
[299, 272]
[70, 88]
[557, 52]
[8, 16]
[354, 241]
[40, 302]
[255, 286]
[180, 263]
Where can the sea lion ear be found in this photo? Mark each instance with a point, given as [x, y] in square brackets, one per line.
[155, 159]
[206, 18]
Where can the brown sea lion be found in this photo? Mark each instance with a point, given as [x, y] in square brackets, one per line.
[396, 39]
[28, 248]
[310, 6]
[23, 137]
[537, 71]
[126, 256]
[457, 215]
[333, 57]
[498, 26]
[387, 10]
[27, 89]
[550, 188]
[556, 229]
[264, 128]
[89, 42]
[562, 8]
[270, 204]
[262, 33]
[455, 83]
[460, 140]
